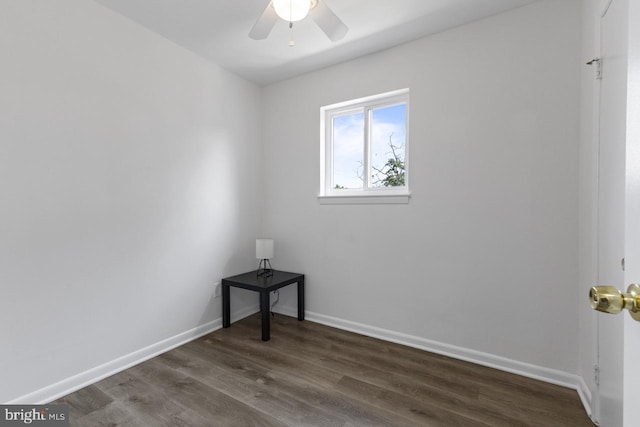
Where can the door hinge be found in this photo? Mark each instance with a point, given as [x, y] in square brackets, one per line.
[598, 63]
[596, 374]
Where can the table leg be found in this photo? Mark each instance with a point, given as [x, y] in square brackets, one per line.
[226, 306]
[301, 299]
[264, 311]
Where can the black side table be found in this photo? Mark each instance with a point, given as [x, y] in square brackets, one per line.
[263, 285]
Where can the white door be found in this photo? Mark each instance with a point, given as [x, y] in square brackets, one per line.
[619, 209]
[632, 217]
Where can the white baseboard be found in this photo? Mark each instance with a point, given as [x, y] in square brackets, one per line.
[69, 385]
[585, 397]
[548, 375]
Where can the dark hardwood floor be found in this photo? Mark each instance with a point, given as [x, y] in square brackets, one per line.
[314, 375]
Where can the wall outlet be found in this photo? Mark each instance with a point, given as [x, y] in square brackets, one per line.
[217, 289]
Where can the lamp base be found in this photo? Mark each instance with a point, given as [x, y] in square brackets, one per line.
[264, 268]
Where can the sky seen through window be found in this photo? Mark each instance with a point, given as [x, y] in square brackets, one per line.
[388, 126]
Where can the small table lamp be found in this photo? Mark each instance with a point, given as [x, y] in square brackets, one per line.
[264, 252]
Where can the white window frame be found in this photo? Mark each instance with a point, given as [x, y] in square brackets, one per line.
[366, 195]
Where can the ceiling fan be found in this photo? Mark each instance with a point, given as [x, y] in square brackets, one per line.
[296, 10]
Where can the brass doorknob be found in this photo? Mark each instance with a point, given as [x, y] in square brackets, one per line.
[609, 299]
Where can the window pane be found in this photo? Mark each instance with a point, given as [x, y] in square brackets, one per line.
[388, 143]
[348, 151]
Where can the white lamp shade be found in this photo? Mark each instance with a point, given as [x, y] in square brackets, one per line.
[292, 10]
[264, 248]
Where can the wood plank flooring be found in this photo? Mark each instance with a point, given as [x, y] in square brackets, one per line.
[314, 375]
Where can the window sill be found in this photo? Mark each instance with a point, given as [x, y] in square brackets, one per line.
[377, 199]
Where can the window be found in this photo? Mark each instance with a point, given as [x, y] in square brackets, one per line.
[364, 147]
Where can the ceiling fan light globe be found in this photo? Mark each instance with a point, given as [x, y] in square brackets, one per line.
[292, 10]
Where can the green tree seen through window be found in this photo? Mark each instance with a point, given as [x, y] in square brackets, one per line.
[392, 173]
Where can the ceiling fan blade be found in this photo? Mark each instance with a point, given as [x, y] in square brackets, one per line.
[264, 24]
[328, 22]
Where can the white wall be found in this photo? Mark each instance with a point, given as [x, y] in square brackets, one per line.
[129, 175]
[485, 255]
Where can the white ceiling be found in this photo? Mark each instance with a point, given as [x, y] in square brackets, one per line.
[218, 30]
